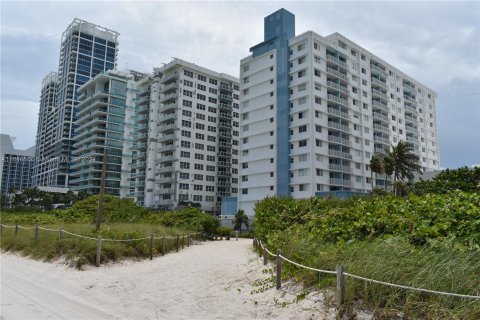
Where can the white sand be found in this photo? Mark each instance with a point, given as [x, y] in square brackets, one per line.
[212, 280]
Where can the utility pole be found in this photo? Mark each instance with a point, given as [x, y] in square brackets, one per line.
[102, 190]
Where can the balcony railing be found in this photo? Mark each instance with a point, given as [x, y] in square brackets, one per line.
[381, 128]
[379, 82]
[337, 86]
[338, 126]
[338, 113]
[411, 119]
[337, 61]
[340, 182]
[408, 87]
[339, 154]
[408, 98]
[380, 116]
[338, 99]
[378, 69]
[379, 93]
[339, 167]
[381, 140]
[380, 105]
[337, 73]
[411, 109]
[339, 140]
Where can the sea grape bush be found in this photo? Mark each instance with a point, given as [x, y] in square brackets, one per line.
[451, 219]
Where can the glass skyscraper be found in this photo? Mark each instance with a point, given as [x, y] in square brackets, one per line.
[86, 50]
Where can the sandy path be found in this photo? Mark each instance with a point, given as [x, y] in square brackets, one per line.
[211, 280]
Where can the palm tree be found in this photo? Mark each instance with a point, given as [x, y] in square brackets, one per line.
[240, 218]
[376, 166]
[402, 162]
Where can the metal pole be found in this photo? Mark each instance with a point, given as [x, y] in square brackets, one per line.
[102, 190]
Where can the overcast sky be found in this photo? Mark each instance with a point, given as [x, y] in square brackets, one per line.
[437, 43]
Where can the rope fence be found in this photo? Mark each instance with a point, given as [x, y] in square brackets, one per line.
[99, 240]
[341, 274]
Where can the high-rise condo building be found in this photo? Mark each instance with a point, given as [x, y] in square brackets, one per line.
[85, 51]
[315, 109]
[187, 120]
[16, 166]
[104, 124]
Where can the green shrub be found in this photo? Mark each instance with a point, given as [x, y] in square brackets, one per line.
[224, 231]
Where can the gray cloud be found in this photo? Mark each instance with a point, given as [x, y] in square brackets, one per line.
[437, 43]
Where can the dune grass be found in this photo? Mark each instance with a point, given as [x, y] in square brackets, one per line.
[79, 251]
[395, 261]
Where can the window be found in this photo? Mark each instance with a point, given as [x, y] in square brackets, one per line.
[186, 133]
[202, 78]
[183, 186]
[342, 45]
[197, 197]
[184, 165]
[301, 73]
[200, 106]
[300, 47]
[210, 178]
[316, 72]
[302, 100]
[188, 73]
[201, 97]
[302, 158]
[184, 154]
[302, 87]
[198, 166]
[319, 172]
[246, 68]
[245, 165]
[302, 129]
[301, 60]
[198, 176]
[199, 156]
[201, 87]
[200, 116]
[244, 190]
[210, 189]
[185, 144]
[198, 187]
[302, 143]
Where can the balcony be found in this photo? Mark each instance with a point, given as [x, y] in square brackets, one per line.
[408, 87]
[168, 107]
[225, 107]
[411, 129]
[168, 116]
[226, 88]
[171, 97]
[225, 134]
[167, 148]
[339, 154]
[411, 109]
[339, 140]
[408, 98]
[169, 88]
[226, 125]
[339, 167]
[380, 150]
[167, 79]
[337, 86]
[337, 73]
[337, 61]
[138, 165]
[410, 119]
[168, 127]
[338, 126]
[381, 128]
[338, 113]
[170, 137]
[378, 69]
[380, 105]
[379, 82]
[340, 182]
[334, 98]
[225, 97]
[379, 93]
[381, 140]
[165, 159]
[225, 115]
[380, 116]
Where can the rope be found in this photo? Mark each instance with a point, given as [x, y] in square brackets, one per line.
[309, 268]
[48, 229]
[80, 236]
[4, 225]
[25, 228]
[372, 280]
[412, 288]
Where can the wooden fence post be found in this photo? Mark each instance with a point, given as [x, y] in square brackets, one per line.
[340, 286]
[16, 228]
[265, 257]
[188, 240]
[36, 232]
[151, 246]
[279, 269]
[236, 235]
[183, 240]
[60, 239]
[164, 246]
[99, 251]
[1, 228]
[178, 239]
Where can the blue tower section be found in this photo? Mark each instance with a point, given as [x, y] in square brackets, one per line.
[279, 27]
